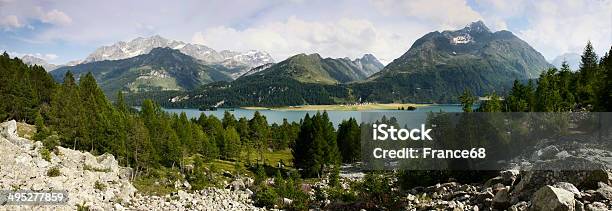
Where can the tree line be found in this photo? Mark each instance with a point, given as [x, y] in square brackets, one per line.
[76, 114]
[556, 90]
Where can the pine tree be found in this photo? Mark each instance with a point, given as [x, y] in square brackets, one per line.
[349, 136]
[467, 100]
[588, 77]
[232, 143]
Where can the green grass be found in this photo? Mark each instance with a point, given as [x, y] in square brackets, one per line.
[148, 186]
[272, 158]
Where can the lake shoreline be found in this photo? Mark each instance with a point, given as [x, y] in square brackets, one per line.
[341, 107]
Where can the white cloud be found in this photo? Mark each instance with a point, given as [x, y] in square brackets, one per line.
[444, 14]
[557, 27]
[9, 22]
[342, 38]
[54, 17]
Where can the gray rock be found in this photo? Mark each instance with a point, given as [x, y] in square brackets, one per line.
[553, 199]
[568, 187]
[548, 152]
[579, 206]
[597, 206]
[519, 206]
[604, 192]
[501, 199]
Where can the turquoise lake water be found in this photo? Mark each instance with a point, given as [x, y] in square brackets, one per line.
[277, 116]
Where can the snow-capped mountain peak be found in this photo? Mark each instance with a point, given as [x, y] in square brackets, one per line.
[144, 45]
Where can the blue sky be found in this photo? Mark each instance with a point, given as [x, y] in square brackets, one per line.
[62, 31]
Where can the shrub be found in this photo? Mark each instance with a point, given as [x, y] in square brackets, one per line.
[265, 197]
[100, 186]
[54, 172]
[45, 154]
[51, 142]
[82, 207]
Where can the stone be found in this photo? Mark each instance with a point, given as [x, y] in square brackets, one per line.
[597, 176]
[579, 206]
[553, 199]
[597, 206]
[237, 185]
[548, 152]
[604, 192]
[501, 199]
[568, 187]
[519, 206]
[287, 201]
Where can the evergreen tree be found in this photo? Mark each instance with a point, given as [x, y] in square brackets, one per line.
[605, 91]
[467, 100]
[259, 133]
[588, 77]
[232, 143]
[349, 136]
[493, 104]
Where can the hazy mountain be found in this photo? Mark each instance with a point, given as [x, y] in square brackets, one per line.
[440, 65]
[32, 60]
[161, 69]
[238, 62]
[572, 59]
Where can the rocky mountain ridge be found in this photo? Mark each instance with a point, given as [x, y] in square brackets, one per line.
[143, 45]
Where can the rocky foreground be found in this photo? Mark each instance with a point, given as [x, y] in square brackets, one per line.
[99, 183]
[96, 182]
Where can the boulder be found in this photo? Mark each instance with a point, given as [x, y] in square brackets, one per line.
[604, 192]
[597, 176]
[553, 199]
[237, 185]
[519, 206]
[568, 187]
[548, 152]
[502, 199]
[596, 206]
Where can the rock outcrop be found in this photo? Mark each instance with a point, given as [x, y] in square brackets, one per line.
[96, 182]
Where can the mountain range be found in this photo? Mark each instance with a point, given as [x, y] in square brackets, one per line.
[437, 68]
[161, 69]
[238, 62]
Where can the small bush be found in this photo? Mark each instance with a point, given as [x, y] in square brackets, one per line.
[82, 207]
[265, 197]
[100, 186]
[54, 172]
[51, 142]
[45, 154]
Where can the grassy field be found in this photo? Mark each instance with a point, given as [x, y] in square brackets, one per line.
[358, 107]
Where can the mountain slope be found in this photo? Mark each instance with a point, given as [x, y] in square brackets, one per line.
[161, 69]
[235, 62]
[314, 69]
[300, 79]
[440, 65]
